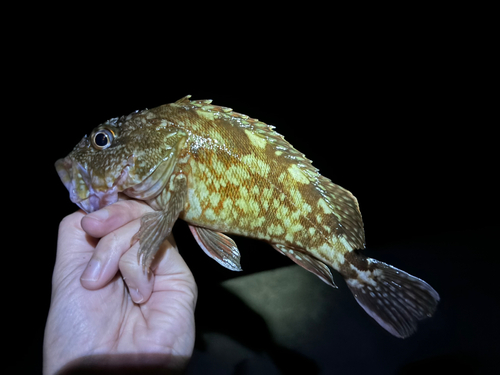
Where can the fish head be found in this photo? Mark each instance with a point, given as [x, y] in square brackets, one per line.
[120, 155]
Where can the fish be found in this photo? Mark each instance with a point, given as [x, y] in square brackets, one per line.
[225, 173]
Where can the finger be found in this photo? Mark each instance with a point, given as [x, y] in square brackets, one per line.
[139, 281]
[104, 264]
[173, 278]
[71, 236]
[74, 249]
[73, 240]
[173, 300]
[102, 222]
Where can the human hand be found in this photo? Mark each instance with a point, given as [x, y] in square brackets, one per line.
[93, 321]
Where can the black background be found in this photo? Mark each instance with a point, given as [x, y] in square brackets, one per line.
[403, 120]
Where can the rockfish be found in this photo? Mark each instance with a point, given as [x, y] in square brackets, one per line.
[224, 172]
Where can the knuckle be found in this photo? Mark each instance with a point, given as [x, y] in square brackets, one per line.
[128, 262]
[71, 221]
[130, 209]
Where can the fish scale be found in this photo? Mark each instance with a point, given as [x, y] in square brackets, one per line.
[226, 173]
[294, 205]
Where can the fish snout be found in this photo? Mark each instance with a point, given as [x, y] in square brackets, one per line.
[72, 176]
[78, 181]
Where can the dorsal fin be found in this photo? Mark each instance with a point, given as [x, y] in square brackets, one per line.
[260, 129]
[184, 100]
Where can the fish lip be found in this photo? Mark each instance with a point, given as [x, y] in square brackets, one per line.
[68, 170]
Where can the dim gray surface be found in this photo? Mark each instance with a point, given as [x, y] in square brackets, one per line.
[285, 321]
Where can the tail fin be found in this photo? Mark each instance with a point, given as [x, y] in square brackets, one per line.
[394, 298]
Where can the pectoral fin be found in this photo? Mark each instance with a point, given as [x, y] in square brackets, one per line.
[309, 263]
[156, 226]
[218, 246]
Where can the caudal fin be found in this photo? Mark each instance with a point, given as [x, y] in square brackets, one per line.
[394, 298]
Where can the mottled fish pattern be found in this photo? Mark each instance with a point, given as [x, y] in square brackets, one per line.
[226, 173]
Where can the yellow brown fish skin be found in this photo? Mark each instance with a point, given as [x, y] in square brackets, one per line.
[223, 172]
[243, 178]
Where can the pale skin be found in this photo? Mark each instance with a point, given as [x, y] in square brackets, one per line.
[106, 312]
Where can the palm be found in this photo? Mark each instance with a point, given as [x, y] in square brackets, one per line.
[105, 321]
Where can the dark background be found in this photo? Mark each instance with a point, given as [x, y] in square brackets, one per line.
[402, 119]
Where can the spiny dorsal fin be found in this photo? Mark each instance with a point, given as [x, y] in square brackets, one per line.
[259, 128]
[184, 100]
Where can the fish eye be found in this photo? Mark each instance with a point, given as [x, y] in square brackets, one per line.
[102, 139]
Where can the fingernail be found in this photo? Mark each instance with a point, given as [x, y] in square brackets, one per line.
[136, 295]
[93, 271]
[100, 215]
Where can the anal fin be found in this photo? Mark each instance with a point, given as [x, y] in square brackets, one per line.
[309, 263]
[218, 246]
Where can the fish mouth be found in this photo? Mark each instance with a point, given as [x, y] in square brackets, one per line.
[86, 191]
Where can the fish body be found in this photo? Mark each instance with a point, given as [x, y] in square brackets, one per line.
[226, 173]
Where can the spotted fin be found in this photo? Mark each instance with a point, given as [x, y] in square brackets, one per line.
[394, 298]
[309, 263]
[218, 246]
